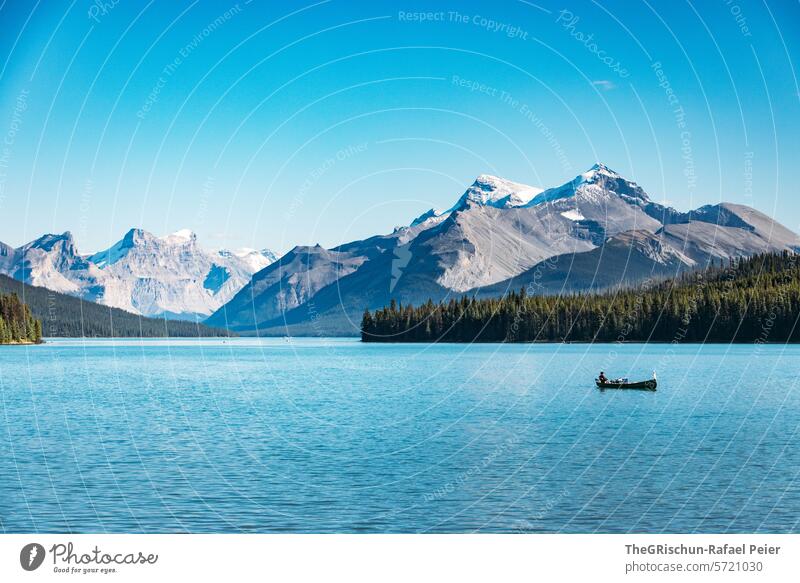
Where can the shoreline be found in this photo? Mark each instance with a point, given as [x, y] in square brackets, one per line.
[355, 338]
[604, 342]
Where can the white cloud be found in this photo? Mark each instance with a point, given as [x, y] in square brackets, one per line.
[604, 84]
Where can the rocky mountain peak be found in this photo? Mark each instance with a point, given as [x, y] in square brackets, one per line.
[601, 168]
[490, 190]
[65, 242]
[136, 237]
[597, 183]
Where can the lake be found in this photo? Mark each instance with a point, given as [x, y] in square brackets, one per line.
[331, 435]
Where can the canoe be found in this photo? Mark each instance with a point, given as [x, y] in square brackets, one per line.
[649, 385]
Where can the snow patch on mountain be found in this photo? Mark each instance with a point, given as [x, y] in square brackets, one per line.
[431, 214]
[594, 185]
[573, 215]
[180, 237]
[488, 190]
[255, 259]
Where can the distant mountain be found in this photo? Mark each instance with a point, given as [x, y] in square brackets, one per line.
[62, 315]
[632, 256]
[53, 261]
[593, 232]
[143, 274]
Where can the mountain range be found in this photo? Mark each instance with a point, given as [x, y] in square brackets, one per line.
[596, 231]
[170, 277]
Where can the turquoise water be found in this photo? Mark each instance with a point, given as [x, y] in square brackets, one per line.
[335, 436]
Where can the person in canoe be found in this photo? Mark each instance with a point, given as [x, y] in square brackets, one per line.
[602, 378]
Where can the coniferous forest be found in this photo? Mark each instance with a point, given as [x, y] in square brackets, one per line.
[17, 324]
[754, 299]
[69, 317]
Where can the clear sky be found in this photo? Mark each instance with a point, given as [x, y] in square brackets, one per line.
[271, 124]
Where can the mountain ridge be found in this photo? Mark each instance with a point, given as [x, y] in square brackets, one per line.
[497, 231]
[170, 276]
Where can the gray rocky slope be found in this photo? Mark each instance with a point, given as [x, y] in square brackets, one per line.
[596, 231]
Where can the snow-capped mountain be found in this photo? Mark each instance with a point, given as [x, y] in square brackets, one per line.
[597, 230]
[255, 260]
[488, 190]
[169, 276]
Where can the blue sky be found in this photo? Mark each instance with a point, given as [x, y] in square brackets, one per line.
[271, 124]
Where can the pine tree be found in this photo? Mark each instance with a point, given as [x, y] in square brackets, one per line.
[747, 300]
[17, 324]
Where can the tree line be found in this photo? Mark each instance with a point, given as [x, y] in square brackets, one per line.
[17, 324]
[755, 299]
[70, 317]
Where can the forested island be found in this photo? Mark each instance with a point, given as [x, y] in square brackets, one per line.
[17, 324]
[754, 299]
[69, 317]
